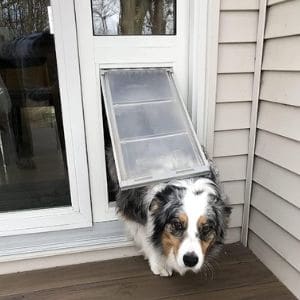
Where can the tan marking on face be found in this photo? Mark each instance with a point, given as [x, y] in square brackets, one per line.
[170, 243]
[183, 218]
[201, 221]
[205, 245]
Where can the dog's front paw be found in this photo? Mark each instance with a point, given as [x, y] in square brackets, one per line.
[160, 270]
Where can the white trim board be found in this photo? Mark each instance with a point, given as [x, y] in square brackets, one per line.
[211, 72]
[197, 100]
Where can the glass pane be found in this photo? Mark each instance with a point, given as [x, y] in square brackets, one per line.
[151, 134]
[132, 17]
[33, 169]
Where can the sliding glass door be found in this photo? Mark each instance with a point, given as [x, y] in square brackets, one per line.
[43, 168]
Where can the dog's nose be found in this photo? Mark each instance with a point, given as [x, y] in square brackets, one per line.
[190, 259]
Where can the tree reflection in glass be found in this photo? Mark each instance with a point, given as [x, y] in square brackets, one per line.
[134, 17]
[33, 167]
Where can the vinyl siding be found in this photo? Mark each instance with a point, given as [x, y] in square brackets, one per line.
[275, 205]
[283, 20]
[244, 23]
[234, 87]
[225, 142]
[280, 119]
[287, 59]
[281, 87]
[276, 236]
[239, 5]
[283, 183]
[272, 2]
[236, 57]
[235, 191]
[232, 168]
[285, 272]
[286, 153]
[235, 72]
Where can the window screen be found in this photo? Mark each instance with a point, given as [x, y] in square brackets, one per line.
[152, 136]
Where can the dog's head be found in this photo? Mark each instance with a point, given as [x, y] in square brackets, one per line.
[189, 220]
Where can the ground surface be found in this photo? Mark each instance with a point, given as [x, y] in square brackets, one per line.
[238, 275]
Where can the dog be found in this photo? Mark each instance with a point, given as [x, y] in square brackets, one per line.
[178, 225]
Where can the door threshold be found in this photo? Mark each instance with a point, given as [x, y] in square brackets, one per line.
[103, 241]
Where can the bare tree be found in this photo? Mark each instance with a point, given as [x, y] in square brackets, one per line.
[24, 16]
[133, 16]
[158, 18]
[104, 9]
[144, 16]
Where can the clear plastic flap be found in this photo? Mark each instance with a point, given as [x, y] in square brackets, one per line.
[152, 136]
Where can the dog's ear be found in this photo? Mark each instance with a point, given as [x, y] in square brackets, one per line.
[154, 205]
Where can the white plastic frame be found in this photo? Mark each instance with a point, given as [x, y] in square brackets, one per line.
[186, 48]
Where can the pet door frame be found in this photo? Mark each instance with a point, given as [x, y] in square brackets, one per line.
[198, 166]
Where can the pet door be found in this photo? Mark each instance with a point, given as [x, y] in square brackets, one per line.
[152, 135]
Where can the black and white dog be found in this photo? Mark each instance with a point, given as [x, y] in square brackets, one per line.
[178, 224]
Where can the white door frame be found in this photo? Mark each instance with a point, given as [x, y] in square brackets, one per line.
[79, 214]
[138, 51]
[198, 53]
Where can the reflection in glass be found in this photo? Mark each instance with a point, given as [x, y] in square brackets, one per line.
[136, 17]
[33, 170]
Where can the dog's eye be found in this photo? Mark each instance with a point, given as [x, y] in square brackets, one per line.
[205, 229]
[176, 225]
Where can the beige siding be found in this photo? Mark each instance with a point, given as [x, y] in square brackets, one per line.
[236, 59]
[232, 115]
[276, 263]
[231, 142]
[232, 167]
[279, 180]
[239, 5]
[233, 235]
[245, 24]
[235, 191]
[277, 237]
[277, 209]
[275, 204]
[282, 54]
[272, 2]
[279, 150]
[281, 87]
[234, 87]
[275, 213]
[236, 216]
[280, 119]
[283, 20]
